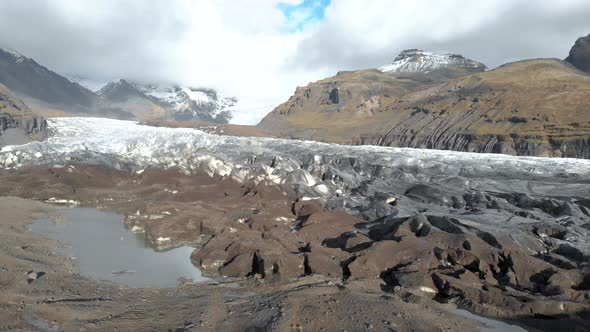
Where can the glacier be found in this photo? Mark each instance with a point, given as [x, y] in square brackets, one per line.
[304, 168]
[128, 144]
[502, 194]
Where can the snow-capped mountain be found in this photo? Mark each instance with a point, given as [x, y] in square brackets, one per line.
[120, 91]
[168, 102]
[414, 60]
[191, 103]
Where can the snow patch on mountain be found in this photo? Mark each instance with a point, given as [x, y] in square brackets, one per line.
[197, 95]
[414, 60]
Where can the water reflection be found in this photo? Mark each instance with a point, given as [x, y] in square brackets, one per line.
[106, 250]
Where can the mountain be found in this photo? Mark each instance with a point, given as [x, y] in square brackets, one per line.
[533, 107]
[190, 103]
[52, 94]
[38, 85]
[120, 91]
[167, 102]
[579, 55]
[49, 93]
[123, 95]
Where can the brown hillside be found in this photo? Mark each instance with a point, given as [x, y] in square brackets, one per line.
[533, 107]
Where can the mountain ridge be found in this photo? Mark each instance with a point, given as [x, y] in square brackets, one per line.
[168, 102]
[52, 94]
[30, 80]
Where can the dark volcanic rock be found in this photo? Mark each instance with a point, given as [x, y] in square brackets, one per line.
[579, 55]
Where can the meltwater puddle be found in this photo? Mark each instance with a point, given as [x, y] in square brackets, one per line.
[106, 250]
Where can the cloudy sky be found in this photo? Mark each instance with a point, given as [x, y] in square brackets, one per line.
[260, 50]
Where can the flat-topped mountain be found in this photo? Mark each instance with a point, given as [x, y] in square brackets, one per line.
[423, 100]
[414, 60]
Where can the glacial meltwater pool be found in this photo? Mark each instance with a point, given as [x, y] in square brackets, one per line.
[106, 250]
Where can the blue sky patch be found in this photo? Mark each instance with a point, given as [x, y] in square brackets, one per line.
[304, 14]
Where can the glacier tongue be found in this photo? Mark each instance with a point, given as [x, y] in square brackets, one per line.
[305, 169]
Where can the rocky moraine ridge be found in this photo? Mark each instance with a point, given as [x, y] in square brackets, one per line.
[500, 235]
[445, 101]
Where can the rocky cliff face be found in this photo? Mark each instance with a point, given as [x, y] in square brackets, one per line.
[533, 108]
[579, 55]
[15, 115]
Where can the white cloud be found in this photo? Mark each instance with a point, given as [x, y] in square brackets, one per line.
[237, 46]
[243, 47]
[358, 33]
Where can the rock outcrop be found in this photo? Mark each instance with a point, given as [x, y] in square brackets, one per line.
[15, 115]
[531, 108]
[579, 55]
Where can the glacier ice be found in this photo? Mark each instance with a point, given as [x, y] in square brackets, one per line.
[302, 168]
[106, 141]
